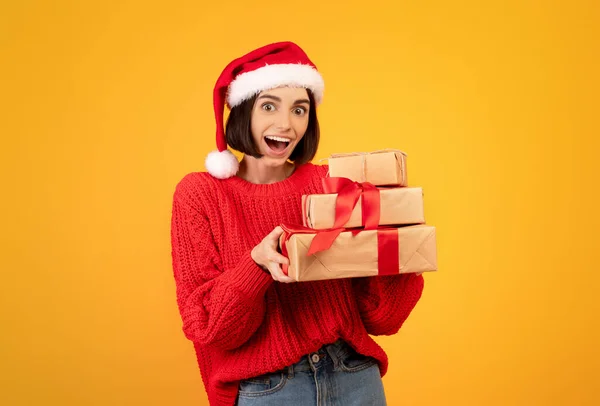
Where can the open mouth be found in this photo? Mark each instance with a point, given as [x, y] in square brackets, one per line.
[277, 144]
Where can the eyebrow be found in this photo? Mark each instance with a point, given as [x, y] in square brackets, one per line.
[270, 96]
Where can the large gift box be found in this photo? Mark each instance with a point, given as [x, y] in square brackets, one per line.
[398, 206]
[349, 254]
[381, 168]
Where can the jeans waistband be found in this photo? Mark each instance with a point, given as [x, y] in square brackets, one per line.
[335, 351]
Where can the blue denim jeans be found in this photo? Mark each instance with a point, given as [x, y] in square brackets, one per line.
[336, 375]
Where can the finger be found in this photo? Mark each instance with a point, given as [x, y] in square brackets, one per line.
[275, 234]
[278, 274]
[274, 256]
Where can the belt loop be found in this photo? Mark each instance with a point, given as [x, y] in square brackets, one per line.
[290, 369]
[334, 356]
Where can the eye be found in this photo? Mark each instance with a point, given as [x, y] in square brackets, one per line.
[300, 111]
[268, 107]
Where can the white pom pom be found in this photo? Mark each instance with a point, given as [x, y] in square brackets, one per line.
[221, 165]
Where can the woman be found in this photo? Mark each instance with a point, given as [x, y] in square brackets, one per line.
[259, 339]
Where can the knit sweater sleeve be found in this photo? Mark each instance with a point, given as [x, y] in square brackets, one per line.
[219, 307]
[385, 302]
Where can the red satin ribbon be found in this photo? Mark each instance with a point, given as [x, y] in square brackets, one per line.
[348, 193]
[388, 260]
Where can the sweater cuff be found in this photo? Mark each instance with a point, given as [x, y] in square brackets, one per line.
[248, 278]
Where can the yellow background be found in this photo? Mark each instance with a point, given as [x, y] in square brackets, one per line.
[107, 104]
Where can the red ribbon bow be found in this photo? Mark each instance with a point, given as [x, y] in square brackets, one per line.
[348, 193]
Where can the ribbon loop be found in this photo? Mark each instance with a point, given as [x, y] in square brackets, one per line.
[348, 193]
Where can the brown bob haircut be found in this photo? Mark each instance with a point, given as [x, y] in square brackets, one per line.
[238, 132]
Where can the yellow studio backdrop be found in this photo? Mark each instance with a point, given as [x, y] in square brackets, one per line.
[106, 105]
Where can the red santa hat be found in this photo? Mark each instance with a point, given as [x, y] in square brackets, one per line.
[268, 67]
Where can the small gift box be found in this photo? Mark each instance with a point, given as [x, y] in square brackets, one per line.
[397, 206]
[333, 254]
[381, 168]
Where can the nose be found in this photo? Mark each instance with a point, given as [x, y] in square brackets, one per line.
[283, 121]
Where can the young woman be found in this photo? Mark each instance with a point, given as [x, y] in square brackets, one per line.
[260, 339]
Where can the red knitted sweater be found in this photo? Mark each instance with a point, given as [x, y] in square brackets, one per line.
[243, 323]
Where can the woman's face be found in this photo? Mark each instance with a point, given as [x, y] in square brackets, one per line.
[279, 121]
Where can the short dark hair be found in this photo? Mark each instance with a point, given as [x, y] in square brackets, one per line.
[238, 132]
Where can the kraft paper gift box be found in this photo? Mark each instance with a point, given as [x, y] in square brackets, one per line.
[398, 206]
[411, 249]
[381, 168]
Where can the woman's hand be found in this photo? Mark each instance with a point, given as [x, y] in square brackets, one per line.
[266, 256]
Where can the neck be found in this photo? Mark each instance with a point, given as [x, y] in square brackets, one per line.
[254, 170]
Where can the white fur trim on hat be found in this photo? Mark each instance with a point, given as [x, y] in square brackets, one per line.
[221, 165]
[248, 84]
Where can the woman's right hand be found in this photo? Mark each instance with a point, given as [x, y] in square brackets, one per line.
[266, 256]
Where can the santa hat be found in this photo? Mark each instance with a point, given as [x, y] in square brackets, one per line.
[268, 67]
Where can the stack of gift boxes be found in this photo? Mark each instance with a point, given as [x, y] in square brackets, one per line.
[368, 223]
